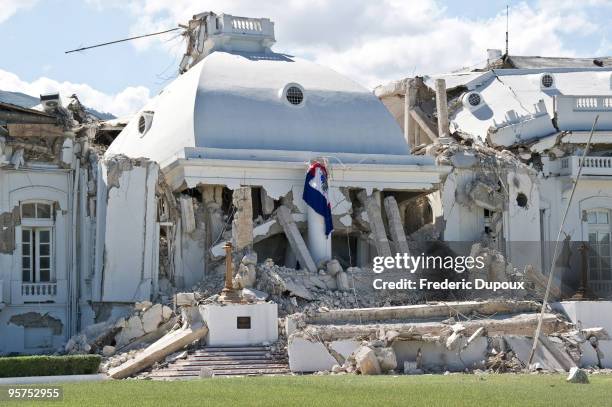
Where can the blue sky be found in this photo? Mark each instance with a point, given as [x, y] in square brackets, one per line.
[370, 41]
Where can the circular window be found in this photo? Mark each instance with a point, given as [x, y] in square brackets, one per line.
[547, 81]
[521, 200]
[474, 99]
[294, 95]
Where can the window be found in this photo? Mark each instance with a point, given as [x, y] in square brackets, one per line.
[599, 244]
[35, 210]
[36, 242]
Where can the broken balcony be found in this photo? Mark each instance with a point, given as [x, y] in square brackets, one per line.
[25, 292]
[591, 166]
[578, 112]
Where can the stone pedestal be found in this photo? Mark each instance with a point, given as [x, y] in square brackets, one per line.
[240, 324]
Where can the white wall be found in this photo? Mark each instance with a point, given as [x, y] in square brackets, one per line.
[124, 268]
[222, 324]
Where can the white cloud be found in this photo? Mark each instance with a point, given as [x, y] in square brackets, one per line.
[126, 102]
[9, 7]
[378, 41]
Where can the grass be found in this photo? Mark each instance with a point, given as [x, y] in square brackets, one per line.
[438, 390]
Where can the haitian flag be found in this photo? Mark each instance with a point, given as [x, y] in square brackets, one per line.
[315, 193]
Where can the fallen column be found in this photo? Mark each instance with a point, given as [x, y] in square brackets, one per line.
[242, 225]
[296, 241]
[395, 225]
[422, 311]
[522, 324]
[376, 223]
[170, 343]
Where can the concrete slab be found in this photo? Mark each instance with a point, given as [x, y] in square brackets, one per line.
[435, 356]
[306, 356]
[587, 314]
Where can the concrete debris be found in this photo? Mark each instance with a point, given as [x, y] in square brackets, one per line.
[386, 359]
[367, 362]
[296, 241]
[185, 299]
[242, 224]
[108, 351]
[342, 281]
[333, 267]
[193, 330]
[577, 375]
[396, 227]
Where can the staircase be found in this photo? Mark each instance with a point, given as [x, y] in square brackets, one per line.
[226, 361]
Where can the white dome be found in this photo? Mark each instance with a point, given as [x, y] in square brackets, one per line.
[235, 101]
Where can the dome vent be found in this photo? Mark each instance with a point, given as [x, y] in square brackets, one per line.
[547, 81]
[293, 94]
[144, 122]
[472, 101]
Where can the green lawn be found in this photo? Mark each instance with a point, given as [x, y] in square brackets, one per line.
[453, 390]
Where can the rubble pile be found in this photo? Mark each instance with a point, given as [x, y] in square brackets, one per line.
[146, 323]
[330, 288]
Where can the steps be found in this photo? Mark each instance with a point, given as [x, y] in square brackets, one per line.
[226, 361]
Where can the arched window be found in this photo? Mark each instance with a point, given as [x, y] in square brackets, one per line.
[599, 244]
[37, 227]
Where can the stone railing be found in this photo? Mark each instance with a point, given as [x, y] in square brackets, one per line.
[22, 292]
[241, 24]
[577, 112]
[590, 165]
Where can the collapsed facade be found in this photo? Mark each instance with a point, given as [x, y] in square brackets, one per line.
[218, 155]
[102, 218]
[514, 133]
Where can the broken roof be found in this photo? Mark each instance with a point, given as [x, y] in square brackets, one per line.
[535, 62]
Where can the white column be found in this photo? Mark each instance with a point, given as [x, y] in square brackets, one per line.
[318, 244]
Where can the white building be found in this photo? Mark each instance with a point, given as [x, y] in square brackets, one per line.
[226, 143]
[536, 113]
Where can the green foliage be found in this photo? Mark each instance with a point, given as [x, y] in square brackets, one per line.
[21, 366]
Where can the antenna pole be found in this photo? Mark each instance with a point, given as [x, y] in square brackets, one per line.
[122, 40]
[506, 30]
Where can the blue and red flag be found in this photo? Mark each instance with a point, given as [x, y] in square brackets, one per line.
[315, 194]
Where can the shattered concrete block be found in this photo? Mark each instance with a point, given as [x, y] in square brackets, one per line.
[108, 351]
[396, 227]
[185, 299]
[242, 225]
[333, 267]
[342, 281]
[366, 361]
[386, 359]
[577, 375]
[298, 290]
[152, 318]
[132, 330]
[250, 294]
